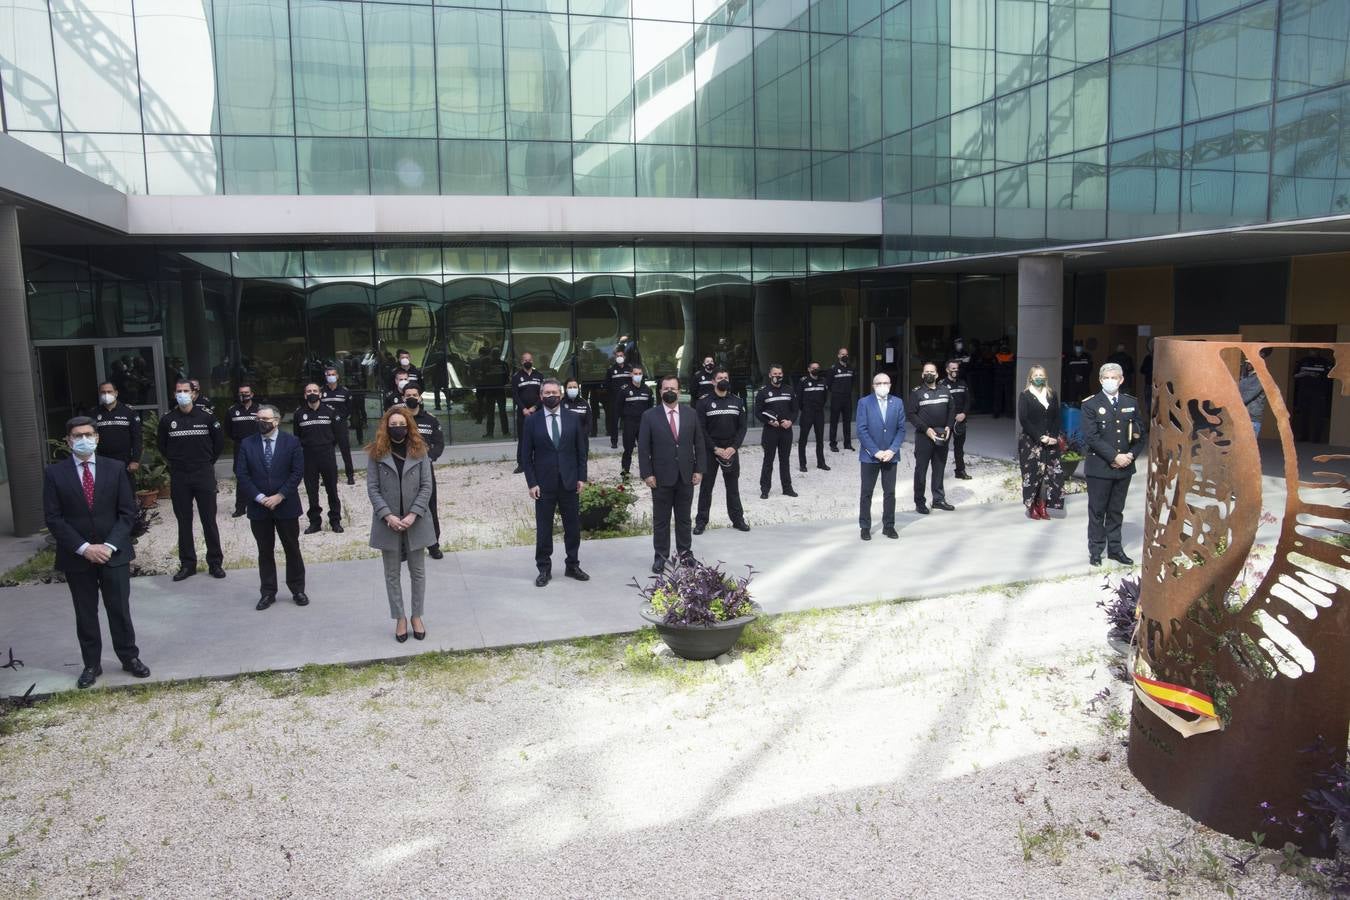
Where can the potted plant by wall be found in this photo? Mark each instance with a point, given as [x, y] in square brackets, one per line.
[152, 482]
[1072, 457]
[153, 475]
[605, 507]
[698, 610]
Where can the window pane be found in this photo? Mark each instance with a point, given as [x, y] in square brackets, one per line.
[679, 10]
[860, 12]
[896, 55]
[1311, 165]
[972, 134]
[1076, 196]
[972, 31]
[830, 16]
[182, 164]
[403, 166]
[537, 89]
[1080, 32]
[783, 174]
[401, 71]
[1146, 88]
[665, 258]
[1078, 109]
[602, 80]
[1136, 21]
[330, 81]
[539, 169]
[720, 12]
[26, 47]
[333, 166]
[470, 85]
[663, 89]
[99, 90]
[665, 171]
[1145, 184]
[173, 52]
[1229, 62]
[1022, 43]
[972, 213]
[829, 175]
[1020, 197]
[932, 70]
[1021, 126]
[1314, 44]
[259, 165]
[600, 7]
[783, 88]
[114, 159]
[865, 173]
[726, 173]
[864, 81]
[603, 170]
[253, 67]
[782, 14]
[1225, 181]
[473, 167]
[724, 81]
[829, 92]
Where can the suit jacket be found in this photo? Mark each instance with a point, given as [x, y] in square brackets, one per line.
[391, 493]
[553, 469]
[72, 523]
[875, 433]
[288, 468]
[659, 455]
[1110, 430]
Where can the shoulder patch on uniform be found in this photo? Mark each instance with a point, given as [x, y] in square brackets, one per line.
[1101, 410]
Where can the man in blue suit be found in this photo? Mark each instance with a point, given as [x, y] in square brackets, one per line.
[270, 466]
[880, 421]
[553, 450]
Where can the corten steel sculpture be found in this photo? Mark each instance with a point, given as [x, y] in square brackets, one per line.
[1229, 689]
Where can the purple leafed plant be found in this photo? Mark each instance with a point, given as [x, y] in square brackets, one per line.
[1119, 605]
[693, 593]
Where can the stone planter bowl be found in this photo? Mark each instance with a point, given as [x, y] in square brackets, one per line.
[698, 641]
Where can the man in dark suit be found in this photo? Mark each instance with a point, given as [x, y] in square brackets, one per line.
[90, 509]
[1113, 432]
[881, 429]
[672, 456]
[269, 466]
[553, 450]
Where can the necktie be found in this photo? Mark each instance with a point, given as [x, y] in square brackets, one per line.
[88, 482]
[553, 425]
[267, 454]
[674, 430]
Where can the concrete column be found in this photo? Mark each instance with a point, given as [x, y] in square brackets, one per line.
[1040, 318]
[19, 413]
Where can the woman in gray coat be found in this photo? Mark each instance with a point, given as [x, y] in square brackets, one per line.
[398, 480]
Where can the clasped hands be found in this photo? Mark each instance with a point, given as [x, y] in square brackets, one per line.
[400, 525]
[98, 554]
[650, 480]
[535, 492]
[1122, 460]
[884, 456]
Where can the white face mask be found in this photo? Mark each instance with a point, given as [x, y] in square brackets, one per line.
[183, 398]
[572, 393]
[403, 361]
[107, 399]
[618, 360]
[1111, 386]
[637, 379]
[881, 390]
[331, 379]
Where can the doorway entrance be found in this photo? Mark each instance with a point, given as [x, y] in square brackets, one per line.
[69, 373]
[885, 349]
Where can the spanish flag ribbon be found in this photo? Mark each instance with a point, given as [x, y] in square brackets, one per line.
[1176, 697]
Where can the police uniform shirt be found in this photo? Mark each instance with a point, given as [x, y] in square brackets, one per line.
[339, 399]
[526, 386]
[619, 377]
[960, 394]
[724, 419]
[119, 433]
[314, 427]
[841, 380]
[1079, 368]
[578, 406]
[190, 440]
[811, 392]
[637, 399]
[412, 375]
[931, 407]
[243, 422]
[776, 403]
[1119, 424]
[205, 403]
[430, 428]
[1312, 378]
[705, 384]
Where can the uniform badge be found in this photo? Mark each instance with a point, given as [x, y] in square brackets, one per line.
[1101, 410]
[925, 395]
[173, 423]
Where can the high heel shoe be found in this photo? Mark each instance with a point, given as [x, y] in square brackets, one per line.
[1040, 510]
[400, 637]
[419, 635]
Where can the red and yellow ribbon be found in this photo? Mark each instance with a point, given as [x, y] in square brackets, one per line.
[1174, 696]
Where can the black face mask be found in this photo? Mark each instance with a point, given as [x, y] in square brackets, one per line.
[311, 398]
[551, 402]
[267, 427]
[814, 373]
[724, 385]
[412, 403]
[843, 360]
[930, 378]
[775, 379]
[398, 433]
[669, 396]
[707, 367]
[527, 366]
[245, 398]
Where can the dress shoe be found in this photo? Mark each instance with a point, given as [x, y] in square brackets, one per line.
[418, 635]
[848, 448]
[687, 559]
[401, 638]
[301, 599]
[216, 572]
[921, 509]
[764, 495]
[866, 535]
[337, 527]
[265, 601]
[801, 469]
[790, 493]
[314, 529]
[822, 467]
[236, 514]
[890, 533]
[834, 448]
[542, 578]
[137, 668]
[943, 504]
[1120, 557]
[575, 572]
[740, 526]
[88, 676]
[351, 480]
[698, 529]
[435, 552]
[517, 470]
[614, 445]
[965, 476]
[1095, 560]
[1031, 512]
[184, 572]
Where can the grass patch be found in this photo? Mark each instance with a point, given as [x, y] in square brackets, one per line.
[38, 568]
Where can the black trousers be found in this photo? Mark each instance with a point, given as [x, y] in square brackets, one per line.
[1003, 400]
[567, 503]
[114, 583]
[186, 488]
[492, 401]
[731, 477]
[343, 434]
[870, 473]
[959, 446]
[929, 455]
[320, 463]
[776, 442]
[240, 501]
[677, 498]
[1311, 422]
[631, 427]
[597, 397]
[1106, 513]
[612, 419]
[809, 419]
[265, 533]
[841, 409]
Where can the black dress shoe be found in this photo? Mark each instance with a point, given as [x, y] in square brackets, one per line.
[964, 476]
[542, 578]
[823, 467]
[137, 668]
[184, 572]
[351, 480]
[789, 493]
[658, 566]
[764, 495]
[401, 638]
[301, 599]
[943, 504]
[848, 447]
[88, 676]
[921, 509]
[698, 529]
[890, 533]
[236, 514]
[1095, 560]
[801, 468]
[575, 572]
[1120, 557]
[216, 572]
[265, 601]
[866, 535]
[337, 527]
[517, 470]
[435, 552]
[419, 635]
[740, 526]
[314, 529]
[834, 448]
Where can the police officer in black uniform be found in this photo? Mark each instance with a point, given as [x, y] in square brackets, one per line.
[336, 396]
[619, 375]
[705, 380]
[406, 371]
[776, 406]
[961, 355]
[119, 430]
[634, 399]
[496, 375]
[812, 392]
[191, 439]
[573, 400]
[933, 417]
[724, 421]
[1312, 398]
[313, 423]
[1077, 374]
[960, 393]
[841, 377]
[394, 397]
[242, 421]
[525, 385]
[201, 400]
[430, 428]
[1113, 432]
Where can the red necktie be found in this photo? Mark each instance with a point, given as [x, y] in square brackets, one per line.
[674, 432]
[88, 482]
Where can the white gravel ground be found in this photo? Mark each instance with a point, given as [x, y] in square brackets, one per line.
[935, 748]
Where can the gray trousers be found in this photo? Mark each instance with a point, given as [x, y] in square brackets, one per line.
[393, 580]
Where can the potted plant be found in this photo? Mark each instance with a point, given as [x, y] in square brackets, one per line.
[605, 507]
[153, 474]
[1072, 457]
[698, 610]
[152, 481]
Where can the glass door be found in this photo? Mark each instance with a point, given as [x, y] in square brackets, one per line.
[69, 373]
[884, 346]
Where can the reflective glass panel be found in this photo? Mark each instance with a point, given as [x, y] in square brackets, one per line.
[259, 165]
[1019, 194]
[182, 164]
[830, 175]
[253, 67]
[864, 85]
[602, 80]
[663, 86]
[403, 166]
[473, 167]
[1229, 62]
[972, 34]
[1310, 169]
[333, 166]
[539, 168]
[470, 84]
[1136, 21]
[665, 171]
[1314, 44]
[972, 134]
[330, 81]
[782, 14]
[896, 55]
[1076, 196]
[1078, 109]
[400, 71]
[932, 68]
[114, 159]
[603, 170]
[537, 84]
[27, 70]
[1080, 32]
[1021, 126]
[95, 44]
[865, 167]
[726, 172]
[723, 70]
[173, 53]
[783, 174]
[1023, 41]
[783, 88]
[829, 92]
[1224, 181]
[1146, 88]
[1145, 185]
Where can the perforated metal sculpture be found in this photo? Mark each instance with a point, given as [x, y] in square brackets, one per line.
[1233, 687]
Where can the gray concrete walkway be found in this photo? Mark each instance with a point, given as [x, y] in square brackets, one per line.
[481, 599]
